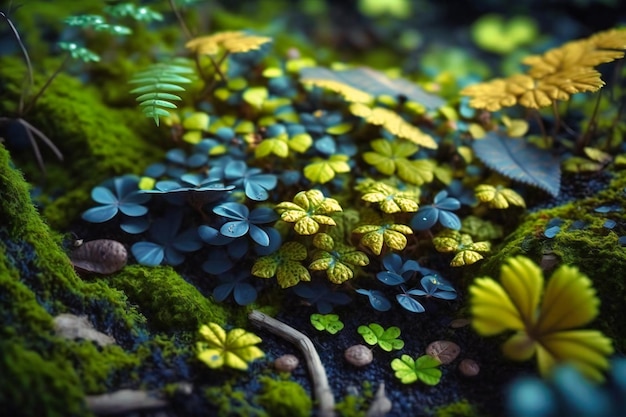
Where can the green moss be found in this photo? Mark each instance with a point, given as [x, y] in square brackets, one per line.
[35, 386]
[166, 299]
[282, 398]
[229, 402]
[461, 408]
[97, 141]
[43, 374]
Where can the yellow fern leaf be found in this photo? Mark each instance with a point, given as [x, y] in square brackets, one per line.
[231, 41]
[394, 123]
[491, 95]
[351, 94]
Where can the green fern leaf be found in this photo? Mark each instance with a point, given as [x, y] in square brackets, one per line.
[156, 84]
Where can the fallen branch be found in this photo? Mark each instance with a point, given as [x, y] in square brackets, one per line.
[321, 389]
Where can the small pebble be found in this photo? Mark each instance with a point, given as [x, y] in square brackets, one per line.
[74, 327]
[444, 351]
[286, 363]
[458, 323]
[469, 367]
[359, 355]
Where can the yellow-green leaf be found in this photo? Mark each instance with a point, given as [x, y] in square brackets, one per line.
[569, 301]
[492, 308]
[465, 257]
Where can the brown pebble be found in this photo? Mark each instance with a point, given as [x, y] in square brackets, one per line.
[359, 355]
[101, 256]
[444, 351]
[469, 367]
[286, 363]
[458, 323]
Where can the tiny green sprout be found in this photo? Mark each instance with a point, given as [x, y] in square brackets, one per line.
[328, 322]
[387, 339]
[425, 368]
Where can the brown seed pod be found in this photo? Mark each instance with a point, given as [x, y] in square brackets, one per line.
[102, 256]
[443, 350]
[469, 367]
[286, 363]
[359, 355]
[458, 323]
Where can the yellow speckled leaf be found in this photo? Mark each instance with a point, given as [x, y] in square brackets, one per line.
[374, 241]
[292, 216]
[290, 273]
[306, 226]
[323, 219]
[465, 257]
[395, 240]
[323, 241]
[339, 273]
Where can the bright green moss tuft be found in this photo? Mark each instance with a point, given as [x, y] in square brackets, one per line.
[166, 299]
[461, 408]
[33, 385]
[282, 398]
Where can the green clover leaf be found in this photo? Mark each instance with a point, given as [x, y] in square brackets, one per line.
[425, 369]
[387, 339]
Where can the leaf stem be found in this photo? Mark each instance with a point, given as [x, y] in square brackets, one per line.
[322, 390]
[29, 65]
[33, 101]
[583, 140]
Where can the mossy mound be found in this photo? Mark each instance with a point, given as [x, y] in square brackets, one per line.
[166, 299]
[97, 141]
[281, 398]
[583, 241]
[46, 375]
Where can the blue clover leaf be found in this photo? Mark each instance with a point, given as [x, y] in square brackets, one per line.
[237, 284]
[321, 295]
[440, 211]
[376, 298]
[243, 221]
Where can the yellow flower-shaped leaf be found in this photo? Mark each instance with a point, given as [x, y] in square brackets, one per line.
[523, 281]
[569, 301]
[234, 349]
[446, 241]
[586, 350]
[492, 309]
[498, 197]
[324, 241]
[465, 257]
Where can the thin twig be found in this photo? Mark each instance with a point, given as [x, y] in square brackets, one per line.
[583, 140]
[180, 19]
[33, 101]
[29, 66]
[323, 393]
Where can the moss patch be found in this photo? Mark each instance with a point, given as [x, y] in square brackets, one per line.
[282, 398]
[166, 299]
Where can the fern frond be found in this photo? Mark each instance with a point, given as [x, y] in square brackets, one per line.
[156, 84]
[231, 41]
[553, 75]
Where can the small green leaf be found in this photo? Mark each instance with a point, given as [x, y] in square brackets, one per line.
[387, 339]
[328, 322]
[425, 368]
